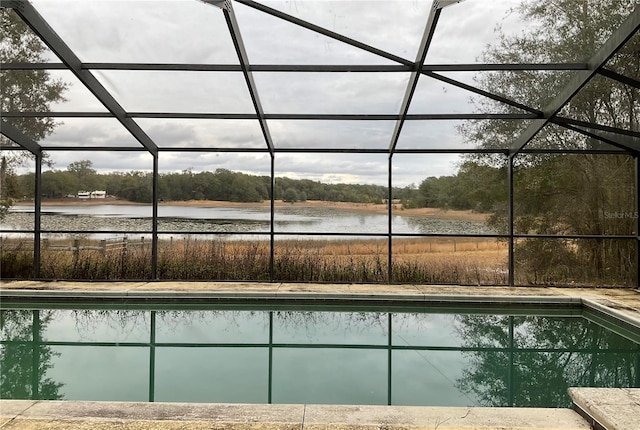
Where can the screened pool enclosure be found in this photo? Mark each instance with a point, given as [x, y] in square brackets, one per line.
[496, 142]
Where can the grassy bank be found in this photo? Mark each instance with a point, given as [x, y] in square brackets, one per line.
[467, 261]
[459, 261]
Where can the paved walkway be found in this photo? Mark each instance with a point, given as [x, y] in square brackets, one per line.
[29, 415]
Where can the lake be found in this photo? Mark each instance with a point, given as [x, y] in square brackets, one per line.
[176, 219]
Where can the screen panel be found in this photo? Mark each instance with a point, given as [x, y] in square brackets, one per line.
[150, 33]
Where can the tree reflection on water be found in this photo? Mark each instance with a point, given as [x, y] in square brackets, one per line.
[525, 361]
[540, 358]
[24, 361]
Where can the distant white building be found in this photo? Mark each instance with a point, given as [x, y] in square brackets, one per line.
[98, 194]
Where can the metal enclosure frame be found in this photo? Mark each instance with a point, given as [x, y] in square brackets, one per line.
[627, 142]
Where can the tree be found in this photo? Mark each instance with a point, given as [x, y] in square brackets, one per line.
[84, 174]
[23, 91]
[442, 192]
[484, 188]
[428, 192]
[290, 196]
[8, 187]
[58, 183]
[243, 189]
[136, 186]
[562, 194]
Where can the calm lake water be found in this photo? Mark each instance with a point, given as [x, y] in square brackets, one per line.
[288, 219]
[342, 356]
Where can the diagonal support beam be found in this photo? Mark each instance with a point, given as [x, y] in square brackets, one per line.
[483, 93]
[324, 31]
[560, 120]
[236, 36]
[427, 37]
[617, 40]
[12, 133]
[627, 143]
[620, 78]
[37, 23]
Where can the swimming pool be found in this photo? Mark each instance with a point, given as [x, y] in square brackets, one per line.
[436, 356]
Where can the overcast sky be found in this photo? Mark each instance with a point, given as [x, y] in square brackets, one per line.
[189, 31]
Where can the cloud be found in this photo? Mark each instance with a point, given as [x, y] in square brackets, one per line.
[104, 161]
[86, 132]
[188, 31]
[294, 44]
[256, 164]
[414, 168]
[464, 30]
[347, 168]
[331, 93]
[77, 97]
[175, 91]
[393, 26]
[331, 134]
[204, 133]
[176, 31]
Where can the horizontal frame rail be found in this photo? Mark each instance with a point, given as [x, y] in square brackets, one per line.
[316, 68]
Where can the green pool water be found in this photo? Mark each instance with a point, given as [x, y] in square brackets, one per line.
[339, 355]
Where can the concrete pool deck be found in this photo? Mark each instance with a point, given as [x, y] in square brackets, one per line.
[612, 409]
[32, 415]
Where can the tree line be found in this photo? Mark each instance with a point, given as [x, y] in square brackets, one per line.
[459, 191]
[221, 184]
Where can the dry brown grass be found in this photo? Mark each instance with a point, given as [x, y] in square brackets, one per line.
[468, 261]
[441, 260]
[421, 260]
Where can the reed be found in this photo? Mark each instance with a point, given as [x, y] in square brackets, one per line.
[329, 260]
[469, 261]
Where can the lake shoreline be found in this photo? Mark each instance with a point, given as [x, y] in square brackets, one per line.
[372, 208]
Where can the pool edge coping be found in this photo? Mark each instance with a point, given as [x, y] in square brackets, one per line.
[585, 301]
[105, 415]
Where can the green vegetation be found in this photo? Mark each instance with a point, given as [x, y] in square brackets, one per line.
[476, 186]
[22, 91]
[554, 194]
[222, 185]
[461, 191]
[560, 194]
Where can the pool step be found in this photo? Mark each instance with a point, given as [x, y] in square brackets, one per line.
[608, 408]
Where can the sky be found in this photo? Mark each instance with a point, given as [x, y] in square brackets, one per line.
[189, 31]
